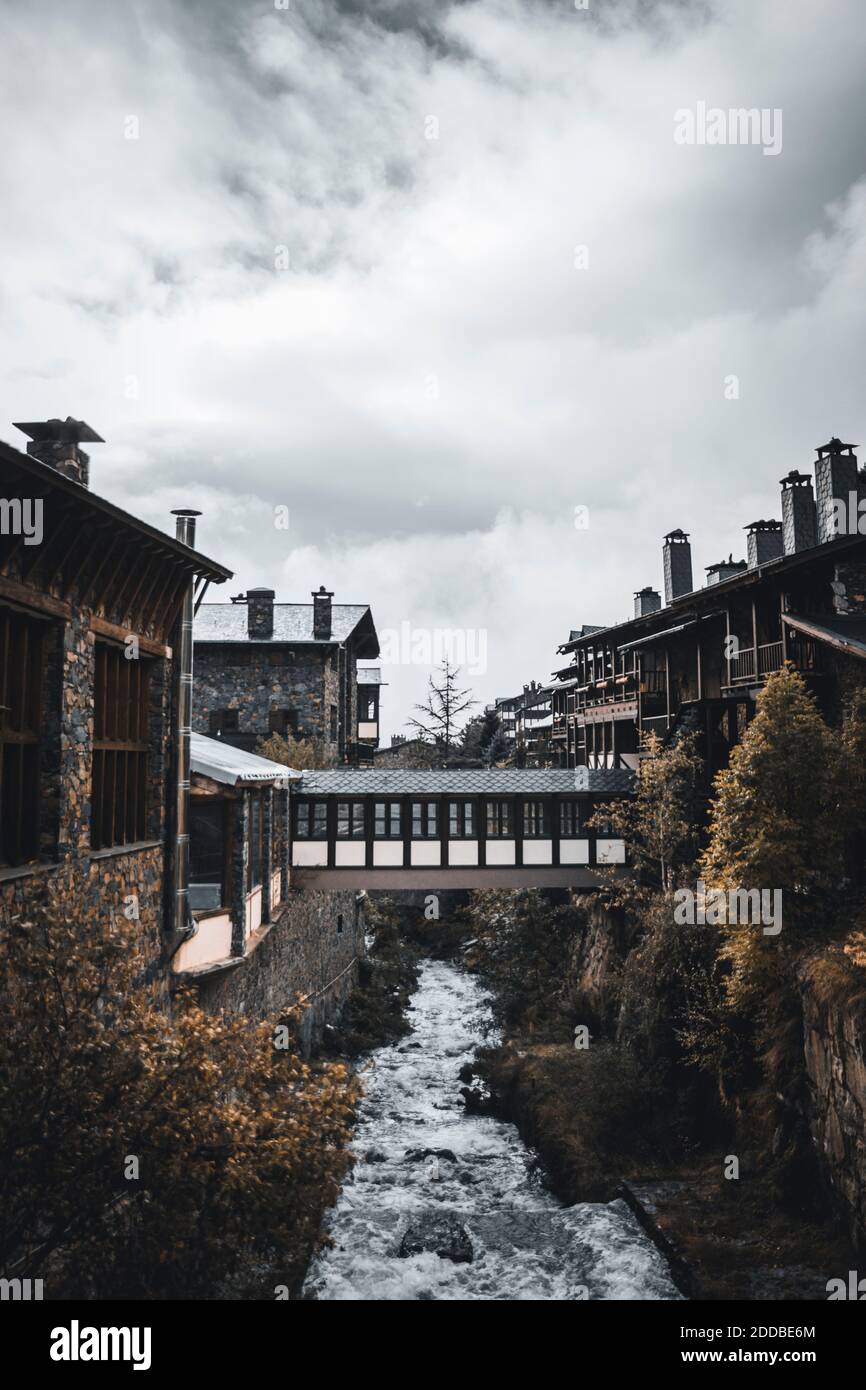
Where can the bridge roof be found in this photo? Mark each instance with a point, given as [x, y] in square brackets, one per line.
[496, 781]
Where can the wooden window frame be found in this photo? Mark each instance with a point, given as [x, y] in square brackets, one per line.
[313, 823]
[120, 760]
[535, 818]
[570, 819]
[391, 819]
[499, 811]
[255, 861]
[425, 814]
[355, 820]
[459, 813]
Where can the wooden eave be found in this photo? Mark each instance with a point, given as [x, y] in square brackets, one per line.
[93, 555]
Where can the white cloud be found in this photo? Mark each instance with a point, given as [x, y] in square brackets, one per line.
[413, 259]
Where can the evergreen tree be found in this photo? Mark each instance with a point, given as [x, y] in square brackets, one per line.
[442, 709]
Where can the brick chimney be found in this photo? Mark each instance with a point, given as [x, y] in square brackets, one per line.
[677, 555]
[763, 542]
[56, 442]
[799, 525]
[647, 601]
[836, 478]
[260, 614]
[724, 570]
[322, 614]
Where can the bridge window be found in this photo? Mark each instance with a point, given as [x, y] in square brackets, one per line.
[461, 820]
[350, 820]
[569, 819]
[499, 824]
[388, 820]
[311, 820]
[535, 819]
[425, 820]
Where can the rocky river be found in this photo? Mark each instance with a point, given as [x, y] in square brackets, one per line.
[443, 1204]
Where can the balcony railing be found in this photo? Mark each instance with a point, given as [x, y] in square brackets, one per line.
[770, 657]
[743, 665]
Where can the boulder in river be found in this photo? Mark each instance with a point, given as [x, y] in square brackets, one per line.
[441, 1235]
[418, 1155]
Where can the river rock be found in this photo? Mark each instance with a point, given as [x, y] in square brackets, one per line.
[418, 1155]
[442, 1235]
[474, 1100]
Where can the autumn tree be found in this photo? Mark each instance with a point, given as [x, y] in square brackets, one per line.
[297, 752]
[442, 708]
[148, 1152]
[775, 825]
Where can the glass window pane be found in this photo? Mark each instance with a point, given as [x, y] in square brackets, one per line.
[432, 818]
[342, 819]
[453, 820]
[468, 824]
[395, 818]
[358, 818]
[380, 818]
[320, 819]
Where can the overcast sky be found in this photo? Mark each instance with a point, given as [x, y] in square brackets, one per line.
[339, 271]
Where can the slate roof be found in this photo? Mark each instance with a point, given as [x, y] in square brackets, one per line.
[293, 622]
[211, 757]
[497, 781]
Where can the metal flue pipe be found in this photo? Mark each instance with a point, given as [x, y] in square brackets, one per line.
[182, 917]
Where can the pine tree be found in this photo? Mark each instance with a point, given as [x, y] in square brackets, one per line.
[441, 710]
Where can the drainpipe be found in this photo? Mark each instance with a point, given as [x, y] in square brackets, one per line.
[181, 916]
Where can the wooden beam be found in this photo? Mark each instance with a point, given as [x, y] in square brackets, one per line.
[103, 628]
[25, 597]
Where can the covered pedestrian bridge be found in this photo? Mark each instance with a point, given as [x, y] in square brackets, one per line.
[401, 828]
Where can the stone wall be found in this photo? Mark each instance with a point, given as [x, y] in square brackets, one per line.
[834, 1039]
[312, 948]
[255, 679]
[97, 881]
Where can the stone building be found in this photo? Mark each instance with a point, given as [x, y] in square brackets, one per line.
[697, 661]
[264, 667]
[91, 605]
[106, 797]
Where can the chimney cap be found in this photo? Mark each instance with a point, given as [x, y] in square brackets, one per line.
[265, 593]
[677, 535]
[763, 526]
[795, 479]
[834, 446]
[642, 593]
[729, 564]
[322, 592]
[66, 431]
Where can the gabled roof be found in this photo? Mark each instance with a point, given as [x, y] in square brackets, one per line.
[293, 622]
[496, 781]
[83, 503]
[211, 757]
[844, 631]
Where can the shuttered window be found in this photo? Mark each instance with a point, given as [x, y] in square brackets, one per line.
[119, 793]
[20, 717]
